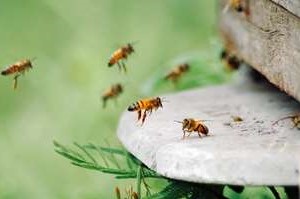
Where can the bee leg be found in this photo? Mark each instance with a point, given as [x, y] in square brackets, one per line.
[16, 81]
[150, 111]
[139, 114]
[199, 134]
[183, 134]
[119, 66]
[124, 67]
[144, 116]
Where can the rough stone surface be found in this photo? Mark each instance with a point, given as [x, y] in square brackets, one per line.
[252, 152]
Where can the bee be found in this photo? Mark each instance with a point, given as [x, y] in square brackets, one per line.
[130, 194]
[295, 120]
[113, 92]
[119, 55]
[177, 72]
[146, 106]
[191, 125]
[17, 69]
[238, 5]
[237, 118]
[231, 61]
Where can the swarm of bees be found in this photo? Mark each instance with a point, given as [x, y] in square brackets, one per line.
[177, 72]
[190, 125]
[17, 69]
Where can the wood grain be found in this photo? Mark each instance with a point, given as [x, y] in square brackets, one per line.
[268, 39]
[291, 5]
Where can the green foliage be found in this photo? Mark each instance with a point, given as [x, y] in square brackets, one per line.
[109, 160]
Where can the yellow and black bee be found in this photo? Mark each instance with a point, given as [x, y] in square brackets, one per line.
[146, 105]
[17, 69]
[237, 5]
[177, 72]
[120, 55]
[113, 92]
[231, 61]
[241, 6]
[130, 194]
[295, 120]
[191, 125]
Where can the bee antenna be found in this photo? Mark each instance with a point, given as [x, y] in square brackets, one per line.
[178, 121]
[134, 42]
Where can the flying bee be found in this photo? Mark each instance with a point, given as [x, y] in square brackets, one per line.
[113, 92]
[295, 120]
[191, 125]
[145, 106]
[17, 69]
[177, 72]
[231, 61]
[120, 55]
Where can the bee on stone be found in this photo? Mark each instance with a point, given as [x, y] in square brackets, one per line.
[240, 6]
[112, 93]
[190, 125]
[145, 106]
[120, 55]
[17, 69]
[177, 72]
[231, 61]
[294, 118]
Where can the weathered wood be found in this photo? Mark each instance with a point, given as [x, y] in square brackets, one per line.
[268, 39]
[251, 152]
[291, 5]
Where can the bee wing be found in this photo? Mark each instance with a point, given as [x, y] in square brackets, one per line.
[226, 8]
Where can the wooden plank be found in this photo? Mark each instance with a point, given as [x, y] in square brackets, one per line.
[291, 5]
[268, 39]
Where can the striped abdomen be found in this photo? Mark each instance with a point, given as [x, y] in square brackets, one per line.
[202, 129]
[17, 68]
[117, 56]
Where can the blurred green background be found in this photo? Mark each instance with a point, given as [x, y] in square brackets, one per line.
[59, 98]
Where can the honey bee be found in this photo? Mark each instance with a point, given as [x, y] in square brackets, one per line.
[17, 70]
[191, 125]
[119, 55]
[146, 105]
[130, 194]
[238, 6]
[113, 92]
[295, 120]
[231, 61]
[177, 72]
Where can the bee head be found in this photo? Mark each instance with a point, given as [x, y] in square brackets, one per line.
[159, 101]
[223, 54]
[130, 48]
[239, 8]
[185, 122]
[119, 88]
[184, 67]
